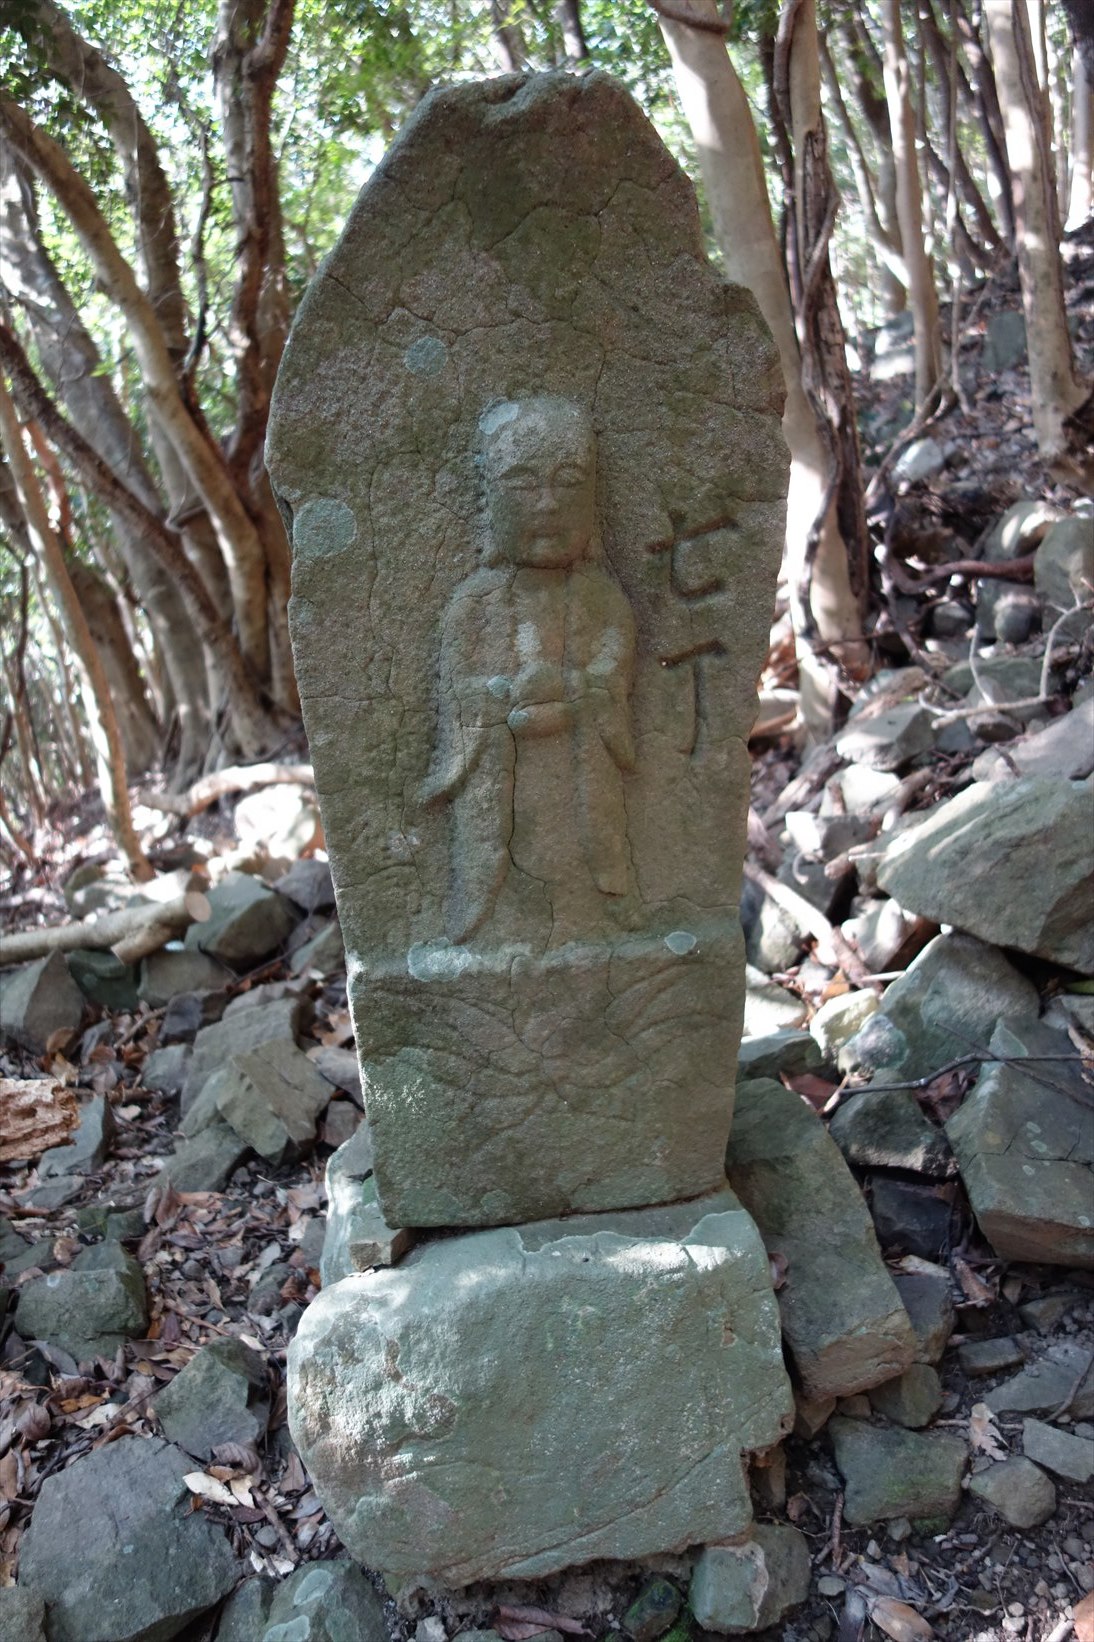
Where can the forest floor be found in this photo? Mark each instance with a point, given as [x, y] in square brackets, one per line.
[203, 1253]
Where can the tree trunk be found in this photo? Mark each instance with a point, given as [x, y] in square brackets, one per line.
[1080, 191]
[991, 116]
[111, 749]
[141, 735]
[860, 62]
[1055, 389]
[728, 149]
[921, 288]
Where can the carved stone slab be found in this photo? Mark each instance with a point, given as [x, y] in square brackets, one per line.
[528, 444]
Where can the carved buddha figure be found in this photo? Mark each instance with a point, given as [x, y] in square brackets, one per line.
[537, 663]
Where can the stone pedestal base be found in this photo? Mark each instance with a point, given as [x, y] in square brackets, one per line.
[504, 1087]
[511, 1402]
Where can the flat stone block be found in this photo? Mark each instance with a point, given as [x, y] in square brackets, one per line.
[357, 1236]
[37, 1000]
[843, 1320]
[452, 1411]
[1019, 1490]
[894, 1473]
[749, 1586]
[513, 1088]
[1064, 1452]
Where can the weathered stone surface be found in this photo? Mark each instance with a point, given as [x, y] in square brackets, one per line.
[325, 952]
[278, 823]
[1024, 1143]
[1064, 749]
[86, 1313]
[894, 1473]
[115, 1551]
[326, 1602]
[166, 1069]
[1034, 877]
[842, 1318]
[246, 1613]
[924, 1289]
[450, 1411]
[247, 922]
[913, 1400]
[103, 978]
[922, 459]
[887, 741]
[886, 1129]
[222, 1395]
[947, 1002]
[1066, 1453]
[89, 1146]
[769, 1007]
[239, 1034]
[22, 1615]
[1063, 566]
[38, 1000]
[750, 1585]
[1062, 1374]
[272, 1098]
[179, 969]
[308, 884]
[653, 1611]
[788, 1051]
[189, 1012]
[339, 1067]
[205, 1162]
[911, 1217]
[520, 415]
[1019, 1490]
[839, 1018]
[357, 1236]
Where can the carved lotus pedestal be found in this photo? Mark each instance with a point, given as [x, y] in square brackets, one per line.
[509, 1402]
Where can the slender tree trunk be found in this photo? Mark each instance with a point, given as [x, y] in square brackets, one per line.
[112, 751]
[728, 149]
[568, 18]
[991, 116]
[141, 734]
[1080, 191]
[1056, 391]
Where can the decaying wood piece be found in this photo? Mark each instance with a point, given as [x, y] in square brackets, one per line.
[36, 1114]
[132, 932]
[239, 778]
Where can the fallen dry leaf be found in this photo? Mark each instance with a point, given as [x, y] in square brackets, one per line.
[517, 1624]
[984, 1437]
[899, 1621]
[778, 1265]
[976, 1292]
[207, 1487]
[1083, 1619]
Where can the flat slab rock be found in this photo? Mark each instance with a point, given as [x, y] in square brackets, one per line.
[536, 866]
[844, 1323]
[894, 1473]
[452, 1411]
[137, 1571]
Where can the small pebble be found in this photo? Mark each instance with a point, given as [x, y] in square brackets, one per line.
[899, 1530]
[1074, 1546]
[1015, 1608]
[830, 1586]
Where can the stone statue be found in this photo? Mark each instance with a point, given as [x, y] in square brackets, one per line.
[537, 666]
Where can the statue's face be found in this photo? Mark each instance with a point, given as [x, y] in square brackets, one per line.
[541, 485]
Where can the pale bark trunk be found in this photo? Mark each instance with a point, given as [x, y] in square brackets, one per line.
[1055, 389]
[885, 244]
[116, 791]
[1081, 190]
[141, 735]
[239, 541]
[921, 287]
[728, 150]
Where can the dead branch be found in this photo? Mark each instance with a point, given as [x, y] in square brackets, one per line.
[812, 921]
[36, 1114]
[119, 930]
[239, 778]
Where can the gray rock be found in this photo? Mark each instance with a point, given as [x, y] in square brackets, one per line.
[769, 1007]
[1024, 1143]
[239, 1034]
[886, 1129]
[922, 459]
[894, 1473]
[887, 741]
[1005, 341]
[475, 1358]
[273, 1099]
[189, 1012]
[980, 1358]
[326, 1602]
[325, 953]
[205, 1163]
[1063, 749]
[1063, 566]
[912, 1400]
[179, 969]
[88, 1148]
[222, 1395]
[842, 1319]
[109, 1256]
[1008, 678]
[22, 1615]
[166, 1069]
[248, 922]
[115, 1551]
[945, 1004]
[246, 1613]
[308, 884]
[653, 1611]
[788, 1051]
[1018, 531]
[911, 1217]
[749, 1586]
[38, 1000]
[511, 916]
[1019, 1490]
[839, 1018]
[882, 932]
[18, 1256]
[1064, 1374]
[279, 822]
[357, 1237]
[774, 940]
[925, 1290]
[1005, 612]
[54, 1194]
[1034, 876]
[104, 979]
[85, 1313]
[1070, 1456]
[340, 1068]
